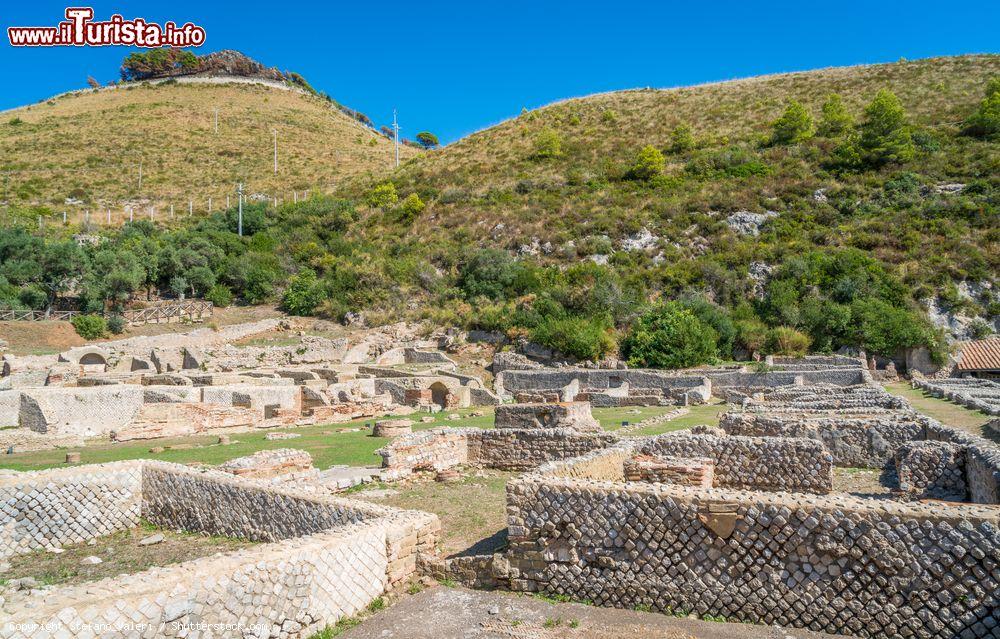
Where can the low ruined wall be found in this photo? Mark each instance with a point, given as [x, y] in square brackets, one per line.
[87, 412]
[512, 382]
[762, 463]
[833, 564]
[67, 505]
[434, 449]
[10, 408]
[174, 497]
[527, 449]
[253, 396]
[351, 553]
[855, 441]
[935, 470]
[558, 415]
[982, 461]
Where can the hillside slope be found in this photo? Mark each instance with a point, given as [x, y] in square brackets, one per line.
[494, 189]
[88, 145]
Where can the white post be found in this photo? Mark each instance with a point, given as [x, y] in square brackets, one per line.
[239, 223]
[171, 211]
[209, 205]
[131, 215]
[227, 201]
[395, 130]
[295, 197]
[64, 217]
[190, 207]
[109, 217]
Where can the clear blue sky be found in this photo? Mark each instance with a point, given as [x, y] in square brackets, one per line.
[455, 67]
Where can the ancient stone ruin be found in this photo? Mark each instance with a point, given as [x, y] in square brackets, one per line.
[323, 559]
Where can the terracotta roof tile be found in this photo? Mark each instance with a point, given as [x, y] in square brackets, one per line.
[983, 354]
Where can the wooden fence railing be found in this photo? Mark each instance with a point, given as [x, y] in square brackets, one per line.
[158, 313]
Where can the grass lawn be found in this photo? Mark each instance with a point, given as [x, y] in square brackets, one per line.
[327, 443]
[707, 414]
[473, 510]
[971, 421]
[120, 554]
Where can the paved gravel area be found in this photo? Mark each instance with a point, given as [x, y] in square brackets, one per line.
[458, 613]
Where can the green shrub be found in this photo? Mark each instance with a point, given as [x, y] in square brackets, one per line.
[488, 273]
[548, 144]
[884, 136]
[303, 294]
[795, 125]
[649, 163]
[90, 326]
[751, 336]
[411, 207]
[836, 120]
[715, 316]
[669, 336]
[985, 122]
[784, 340]
[116, 324]
[682, 139]
[579, 337]
[882, 329]
[219, 295]
[382, 196]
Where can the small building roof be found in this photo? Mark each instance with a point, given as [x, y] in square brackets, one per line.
[981, 355]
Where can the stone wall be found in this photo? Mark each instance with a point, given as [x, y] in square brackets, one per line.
[760, 463]
[683, 471]
[332, 558]
[551, 382]
[88, 412]
[175, 497]
[982, 461]
[558, 415]
[434, 449]
[975, 394]
[503, 449]
[67, 506]
[832, 564]
[528, 449]
[855, 441]
[932, 469]
[10, 407]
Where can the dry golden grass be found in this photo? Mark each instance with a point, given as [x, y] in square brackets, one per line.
[607, 129]
[88, 145]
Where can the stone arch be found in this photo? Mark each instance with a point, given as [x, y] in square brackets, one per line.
[439, 394]
[93, 359]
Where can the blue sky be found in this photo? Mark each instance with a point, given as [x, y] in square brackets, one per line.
[456, 67]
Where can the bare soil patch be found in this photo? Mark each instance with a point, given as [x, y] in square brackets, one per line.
[119, 553]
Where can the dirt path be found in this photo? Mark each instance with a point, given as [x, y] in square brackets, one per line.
[457, 613]
[971, 421]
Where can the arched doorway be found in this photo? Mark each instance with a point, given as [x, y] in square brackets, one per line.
[439, 394]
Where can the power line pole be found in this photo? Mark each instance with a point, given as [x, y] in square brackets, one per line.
[239, 223]
[395, 130]
[275, 131]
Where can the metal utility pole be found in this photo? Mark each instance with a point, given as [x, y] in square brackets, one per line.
[395, 131]
[239, 223]
[275, 131]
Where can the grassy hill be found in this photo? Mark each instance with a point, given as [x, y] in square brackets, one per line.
[87, 146]
[569, 224]
[494, 177]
